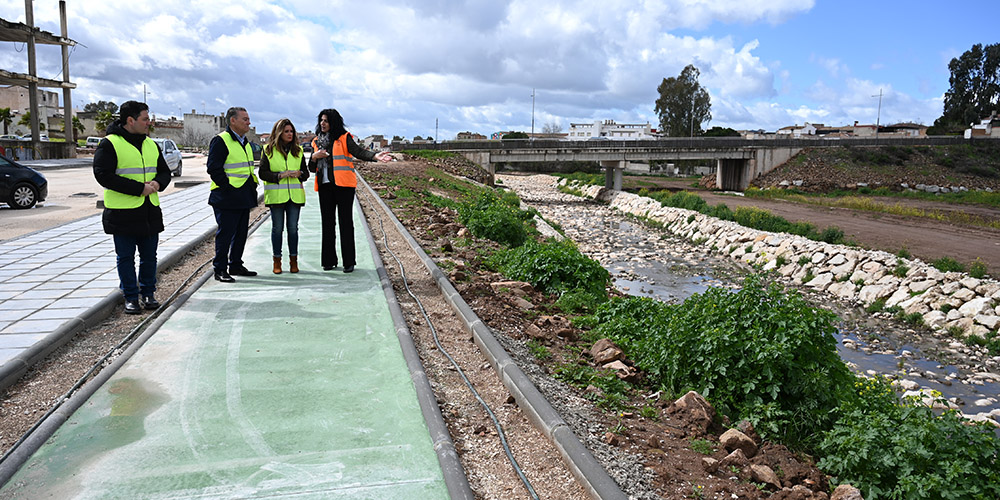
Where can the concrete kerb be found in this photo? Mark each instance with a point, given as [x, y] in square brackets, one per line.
[15, 368]
[455, 478]
[51, 424]
[591, 474]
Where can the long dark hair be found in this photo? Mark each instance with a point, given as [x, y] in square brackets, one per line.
[336, 123]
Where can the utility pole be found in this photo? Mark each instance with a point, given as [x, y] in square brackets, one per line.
[435, 131]
[144, 93]
[692, 116]
[879, 114]
[532, 113]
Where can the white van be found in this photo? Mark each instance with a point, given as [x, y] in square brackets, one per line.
[92, 142]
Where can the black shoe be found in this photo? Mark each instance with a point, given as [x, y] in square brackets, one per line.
[348, 269]
[149, 303]
[241, 271]
[132, 307]
[330, 268]
[224, 277]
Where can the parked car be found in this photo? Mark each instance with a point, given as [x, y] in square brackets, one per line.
[257, 148]
[172, 154]
[307, 147]
[9, 137]
[21, 186]
[92, 142]
[41, 137]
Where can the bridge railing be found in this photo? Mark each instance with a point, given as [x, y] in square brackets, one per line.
[684, 143]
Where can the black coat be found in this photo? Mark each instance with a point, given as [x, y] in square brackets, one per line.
[145, 220]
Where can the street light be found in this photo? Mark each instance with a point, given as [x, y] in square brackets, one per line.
[532, 112]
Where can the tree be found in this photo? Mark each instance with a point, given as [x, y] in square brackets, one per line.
[417, 138]
[101, 106]
[551, 128]
[721, 132]
[515, 135]
[7, 117]
[974, 87]
[26, 121]
[683, 104]
[104, 119]
[78, 129]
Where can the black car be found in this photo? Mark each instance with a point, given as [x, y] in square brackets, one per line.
[307, 147]
[21, 186]
[256, 150]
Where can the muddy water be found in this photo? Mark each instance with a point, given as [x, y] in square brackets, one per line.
[648, 262]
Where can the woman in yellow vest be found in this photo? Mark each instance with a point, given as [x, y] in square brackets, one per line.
[333, 151]
[283, 169]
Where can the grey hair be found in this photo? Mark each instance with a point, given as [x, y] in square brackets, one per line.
[231, 112]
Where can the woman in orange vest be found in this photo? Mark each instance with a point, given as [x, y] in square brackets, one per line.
[333, 151]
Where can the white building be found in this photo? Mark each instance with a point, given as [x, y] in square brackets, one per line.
[608, 129]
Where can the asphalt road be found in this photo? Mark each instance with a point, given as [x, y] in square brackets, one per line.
[73, 194]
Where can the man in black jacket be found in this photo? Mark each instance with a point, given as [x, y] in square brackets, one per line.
[233, 194]
[131, 168]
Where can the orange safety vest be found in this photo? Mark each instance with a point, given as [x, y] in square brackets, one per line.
[343, 167]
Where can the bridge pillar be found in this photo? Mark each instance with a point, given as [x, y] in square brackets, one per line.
[613, 173]
[482, 158]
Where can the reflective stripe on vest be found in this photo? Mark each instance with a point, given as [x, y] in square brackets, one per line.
[343, 167]
[136, 165]
[287, 189]
[239, 162]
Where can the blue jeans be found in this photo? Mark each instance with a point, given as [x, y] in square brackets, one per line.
[125, 247]
[279, 215]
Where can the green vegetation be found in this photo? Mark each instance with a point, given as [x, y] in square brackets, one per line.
[430, 154]
[703, 446]
[613, 390]
[948, 264]
[756, 353]
[751, 217]
[495, 217]
[889, 449]
[553, 267]
[842, 199]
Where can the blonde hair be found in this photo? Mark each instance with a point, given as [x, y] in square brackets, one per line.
[274, 141]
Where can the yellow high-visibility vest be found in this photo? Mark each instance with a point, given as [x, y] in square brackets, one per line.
[136, 165]
[239, 163]
[289, 188]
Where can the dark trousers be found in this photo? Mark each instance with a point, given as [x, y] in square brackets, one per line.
[125, 247]
[230, 238]
[336, 204]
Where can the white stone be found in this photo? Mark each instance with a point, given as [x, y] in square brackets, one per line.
[989, 321]
[950, 287]
[818, 257]
[822, 281]
[844, 289]
[935, 319]
[908, 385]
[984, 402]
[836, 260]
[899, 296]
[982, 305]
[970, 282]
[922, 286]
[871, 293]
[964, 295]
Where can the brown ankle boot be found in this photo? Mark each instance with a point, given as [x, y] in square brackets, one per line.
[293, 264]
[277, 265]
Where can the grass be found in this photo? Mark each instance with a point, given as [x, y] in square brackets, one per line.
[839, 199]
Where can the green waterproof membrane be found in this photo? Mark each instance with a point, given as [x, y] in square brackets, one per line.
[289, 385]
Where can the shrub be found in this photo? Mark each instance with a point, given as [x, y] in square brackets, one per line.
[580, 301]
[978, 268]
[495, 218]
[552, 267]
[757, 353]
[948, 264]
[889, 449]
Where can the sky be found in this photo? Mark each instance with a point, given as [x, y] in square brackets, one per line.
[440, 67]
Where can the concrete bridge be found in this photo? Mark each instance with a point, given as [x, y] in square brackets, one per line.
[739, 160]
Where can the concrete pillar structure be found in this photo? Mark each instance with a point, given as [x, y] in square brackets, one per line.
[613, 173]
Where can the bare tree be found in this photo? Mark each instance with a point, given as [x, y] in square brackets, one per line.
[552, 128]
